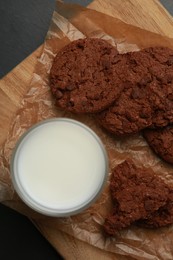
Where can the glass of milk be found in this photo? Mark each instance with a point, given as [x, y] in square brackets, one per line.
[59, 167]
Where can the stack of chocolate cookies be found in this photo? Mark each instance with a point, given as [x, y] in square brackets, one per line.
[127, 93]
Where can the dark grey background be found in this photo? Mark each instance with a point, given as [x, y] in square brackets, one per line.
[23, 26]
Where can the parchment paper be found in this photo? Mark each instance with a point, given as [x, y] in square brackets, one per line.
[69, 23]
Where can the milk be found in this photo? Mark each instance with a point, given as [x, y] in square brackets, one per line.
[59, 165]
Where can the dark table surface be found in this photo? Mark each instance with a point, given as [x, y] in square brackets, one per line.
[23, 26]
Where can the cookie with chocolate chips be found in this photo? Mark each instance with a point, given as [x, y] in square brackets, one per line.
[136, 193]
[147, 99]
[81, 77]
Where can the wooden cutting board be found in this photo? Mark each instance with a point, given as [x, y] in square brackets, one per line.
[147, 14]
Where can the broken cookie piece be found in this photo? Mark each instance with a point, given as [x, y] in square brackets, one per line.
[136, 193]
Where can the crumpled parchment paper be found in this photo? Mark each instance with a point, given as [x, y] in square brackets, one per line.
[70, 22]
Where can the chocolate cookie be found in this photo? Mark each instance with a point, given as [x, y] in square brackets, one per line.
[147, 99]
[82, 78]
[161, 142]
[136, 192]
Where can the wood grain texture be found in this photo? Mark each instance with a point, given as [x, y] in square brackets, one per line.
[76, 249]
[147, 14]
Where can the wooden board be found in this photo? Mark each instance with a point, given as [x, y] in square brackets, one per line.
[147, 14]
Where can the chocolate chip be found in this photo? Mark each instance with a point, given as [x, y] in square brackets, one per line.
[133, 62]
[106, 64]
[144, 113]
[59, 86]
[107, 50]
[116, 59]
[70, 87]
[96, 96]
[137, 93]
[54, 90]
[84, 102]
[169, 104]
[80, 45]
[131, 116]
[148, 204]
[58, 94]
[170, 96]
[144, 81]
[169, 78]
[71, 103]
